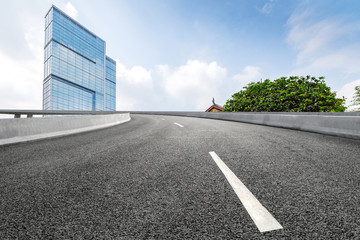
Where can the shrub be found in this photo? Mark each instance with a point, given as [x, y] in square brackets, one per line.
[286, 94]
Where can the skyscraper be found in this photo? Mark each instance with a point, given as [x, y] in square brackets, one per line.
[77, 73]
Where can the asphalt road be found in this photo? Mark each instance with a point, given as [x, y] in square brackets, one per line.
[152, 179]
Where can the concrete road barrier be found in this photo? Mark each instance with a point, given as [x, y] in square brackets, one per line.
[21, 130]
[28, 129]
[337, 124]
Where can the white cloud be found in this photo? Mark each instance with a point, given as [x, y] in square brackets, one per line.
[123, 102]
[348, 91]
[193, 84]
[71, 10]
[309, 39]
[267, 8]
[344, 60]
[134, 87]
[20, 83]
[137, 75]
[322, 43]
[21, 79]
[249, 74]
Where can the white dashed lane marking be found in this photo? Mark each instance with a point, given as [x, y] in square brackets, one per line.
[178, 124]
[262, 218]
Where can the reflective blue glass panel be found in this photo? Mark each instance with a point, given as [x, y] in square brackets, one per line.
[74, 67]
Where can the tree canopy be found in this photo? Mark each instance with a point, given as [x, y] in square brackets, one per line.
[286, 94]
[356, 98]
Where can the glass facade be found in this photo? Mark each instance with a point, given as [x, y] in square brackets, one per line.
[77, 73]
[110, 84]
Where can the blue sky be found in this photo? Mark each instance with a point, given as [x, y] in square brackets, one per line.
[178, 54]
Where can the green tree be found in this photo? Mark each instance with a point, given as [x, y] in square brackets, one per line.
[356, 98]
[286, 94]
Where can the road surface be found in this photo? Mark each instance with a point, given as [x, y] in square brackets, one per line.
[154, 178]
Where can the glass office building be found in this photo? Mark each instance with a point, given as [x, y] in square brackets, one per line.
[77, 73]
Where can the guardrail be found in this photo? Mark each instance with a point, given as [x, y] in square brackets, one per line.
[342, 124]
[29, 129]
[345, 124]
[31, 113]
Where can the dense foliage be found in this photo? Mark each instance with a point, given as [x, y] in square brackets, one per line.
[356, 98]
[291, 94]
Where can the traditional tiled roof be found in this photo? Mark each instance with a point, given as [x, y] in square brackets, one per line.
[216, 106]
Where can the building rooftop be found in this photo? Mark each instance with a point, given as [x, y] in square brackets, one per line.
[73, 20]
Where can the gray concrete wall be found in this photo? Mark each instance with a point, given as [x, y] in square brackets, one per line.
[337, 124]
[28, 129]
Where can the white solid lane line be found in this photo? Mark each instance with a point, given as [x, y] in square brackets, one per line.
[262, 218]
[178, 124]
[163, 119]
